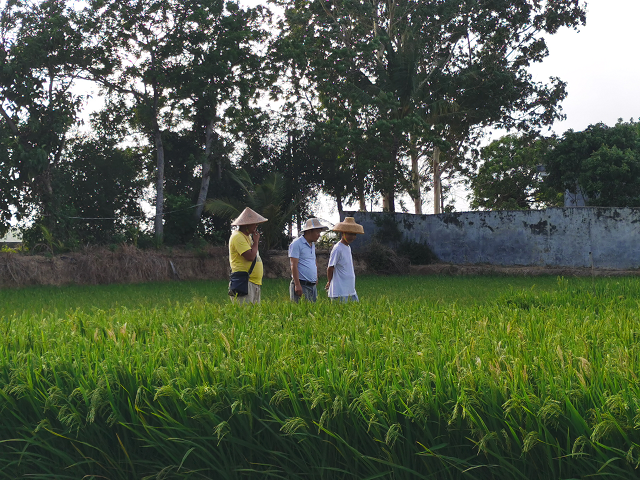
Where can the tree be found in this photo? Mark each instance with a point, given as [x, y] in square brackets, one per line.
[99, 186]
[138, 42]
[182, 155]
[223, 72]
[41, 54]
[601, 162]
[266, 198]
[509, 177]
[412, 73]
[176, 62]
[295, 158]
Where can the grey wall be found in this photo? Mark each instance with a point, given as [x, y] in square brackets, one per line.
[569, 237]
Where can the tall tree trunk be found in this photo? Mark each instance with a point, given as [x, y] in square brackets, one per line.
[42, 184]
[388, 196]
[415, 178]
[339, 203]
[362, 203]
[436, 180]
[388, 202]
[158, 223]
[159, 186]
[206, 171]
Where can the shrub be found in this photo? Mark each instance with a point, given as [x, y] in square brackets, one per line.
[328, 239]
[417, 253]
[384, 260]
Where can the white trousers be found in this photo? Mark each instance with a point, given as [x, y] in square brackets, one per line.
[252, 297]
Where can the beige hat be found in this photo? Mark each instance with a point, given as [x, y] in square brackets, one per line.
[348, 225]
[312, 224]
[248, 217]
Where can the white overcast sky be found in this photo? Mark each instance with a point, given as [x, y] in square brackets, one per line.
[600, 64]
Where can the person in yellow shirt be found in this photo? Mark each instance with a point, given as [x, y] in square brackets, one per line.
[243, 251]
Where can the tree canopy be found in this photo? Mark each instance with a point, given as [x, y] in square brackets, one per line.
[602, 163]
[511, 175]
[374, 100]
[414, 75]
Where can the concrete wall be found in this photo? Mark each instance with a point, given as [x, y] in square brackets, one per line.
[568, 237]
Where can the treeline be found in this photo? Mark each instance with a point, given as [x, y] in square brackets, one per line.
[599, 166]
[203, 107]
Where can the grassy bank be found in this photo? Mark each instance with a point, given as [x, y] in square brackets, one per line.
[485, 377]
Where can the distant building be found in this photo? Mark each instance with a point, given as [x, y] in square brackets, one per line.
[12, 239]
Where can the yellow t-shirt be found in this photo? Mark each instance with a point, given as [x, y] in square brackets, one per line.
[238, 244]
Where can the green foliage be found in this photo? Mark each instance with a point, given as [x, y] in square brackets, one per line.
[180, 223]
[417, 253]
[601, 162]
[42, 51]
[401, 76]
[266, 198]
[297, 160]
[509, 178]
[383, 259]
[328, 239]
[18, 249]
[99, 184]
[427, 377]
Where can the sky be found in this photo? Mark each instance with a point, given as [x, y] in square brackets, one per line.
[599, 64]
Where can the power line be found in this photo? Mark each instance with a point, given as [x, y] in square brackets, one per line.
[131, 216]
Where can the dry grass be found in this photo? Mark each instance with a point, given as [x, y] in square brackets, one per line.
[127, 264]
[517, 270]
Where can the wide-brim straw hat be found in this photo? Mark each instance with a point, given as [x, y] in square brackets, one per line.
[348, 225]
[313, 224]
[248, 217]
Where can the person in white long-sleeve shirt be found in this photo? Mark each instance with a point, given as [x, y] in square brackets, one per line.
[341, 276]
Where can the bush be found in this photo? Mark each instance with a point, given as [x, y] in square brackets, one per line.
[384, 260]
[328, 239]
[417, 253]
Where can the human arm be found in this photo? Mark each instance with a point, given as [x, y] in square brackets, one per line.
[295, 274]
[252, 253]
[329, 277]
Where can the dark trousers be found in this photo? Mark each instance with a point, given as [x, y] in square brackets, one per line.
[309, 292]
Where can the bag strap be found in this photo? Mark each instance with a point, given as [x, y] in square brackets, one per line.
[253, 264]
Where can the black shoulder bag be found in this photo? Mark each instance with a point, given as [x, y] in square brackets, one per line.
[239, 281]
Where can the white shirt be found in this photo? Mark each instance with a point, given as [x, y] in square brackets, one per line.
[343, 282]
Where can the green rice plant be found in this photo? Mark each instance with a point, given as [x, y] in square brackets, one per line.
[439, 378]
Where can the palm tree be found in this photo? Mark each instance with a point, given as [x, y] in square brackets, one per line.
[266, 198]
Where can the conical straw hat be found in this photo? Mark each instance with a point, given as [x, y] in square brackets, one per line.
[248, 217]
[312, 224]
[348, 225]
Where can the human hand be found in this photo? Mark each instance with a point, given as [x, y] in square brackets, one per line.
[298, 289]
[256, 236]
[326, 287]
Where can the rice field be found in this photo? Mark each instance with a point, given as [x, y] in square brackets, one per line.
[427, 377]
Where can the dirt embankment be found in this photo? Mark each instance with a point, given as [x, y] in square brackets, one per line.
[130, 265]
